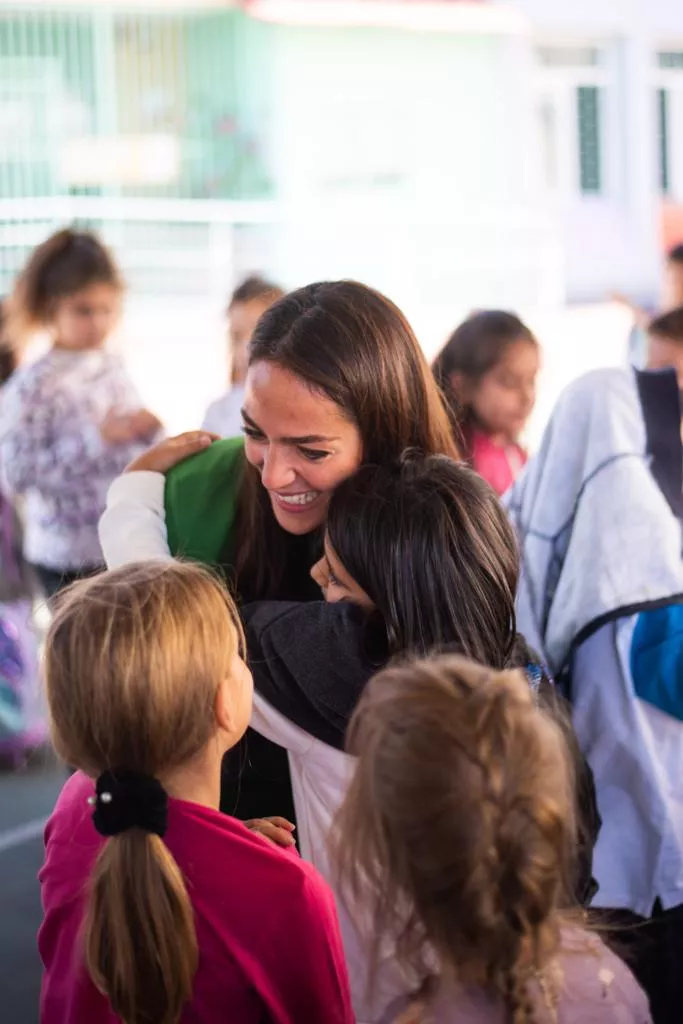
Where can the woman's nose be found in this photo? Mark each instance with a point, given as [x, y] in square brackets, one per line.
[276, 473]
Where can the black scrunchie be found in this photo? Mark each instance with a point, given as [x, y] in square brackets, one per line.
[129, 800]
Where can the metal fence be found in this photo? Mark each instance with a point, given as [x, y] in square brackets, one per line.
[154, 127]
[154, 103]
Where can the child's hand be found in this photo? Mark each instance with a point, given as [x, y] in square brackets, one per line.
[276, 831]
[117, 428]
[169, 453]
[144, 424]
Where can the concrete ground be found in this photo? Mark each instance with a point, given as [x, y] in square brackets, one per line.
[26, 798]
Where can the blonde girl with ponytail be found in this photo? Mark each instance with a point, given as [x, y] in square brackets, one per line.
[158, 909]
[457, 839]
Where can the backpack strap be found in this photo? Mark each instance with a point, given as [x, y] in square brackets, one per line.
[661, 404]
[563, 677]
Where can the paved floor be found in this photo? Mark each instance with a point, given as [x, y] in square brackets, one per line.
[26, 799]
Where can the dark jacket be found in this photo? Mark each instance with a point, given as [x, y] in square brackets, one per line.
[311, 662]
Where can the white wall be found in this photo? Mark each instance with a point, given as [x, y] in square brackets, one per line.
[408, 160]
[612, 241]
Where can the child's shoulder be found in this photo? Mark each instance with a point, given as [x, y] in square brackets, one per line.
[29, 375]
[203, 841]
[72, 808]
[224, 860]
[71, 842]
[215, 459]
[588, 973]
[201, 501]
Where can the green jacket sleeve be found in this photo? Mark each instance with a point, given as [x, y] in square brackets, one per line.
[201, 502]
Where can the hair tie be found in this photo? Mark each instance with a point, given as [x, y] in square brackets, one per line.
[126, 799]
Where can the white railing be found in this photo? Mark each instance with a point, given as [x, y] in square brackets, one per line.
[421, 256]
[181, 258]
[165, 247]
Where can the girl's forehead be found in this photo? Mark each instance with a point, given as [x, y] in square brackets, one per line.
[521, 354]
[98, 292]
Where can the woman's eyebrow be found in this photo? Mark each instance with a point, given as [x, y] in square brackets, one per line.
[306, 439]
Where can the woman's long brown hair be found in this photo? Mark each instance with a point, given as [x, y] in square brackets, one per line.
[457, 833]
[355, 347]
[133, 663]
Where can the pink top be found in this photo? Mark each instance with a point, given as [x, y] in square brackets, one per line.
[585, 984]
[269, 943]
[498, 464]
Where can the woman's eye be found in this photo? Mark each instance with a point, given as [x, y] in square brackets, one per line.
[313, 455]
[254, 435]
[332, 580]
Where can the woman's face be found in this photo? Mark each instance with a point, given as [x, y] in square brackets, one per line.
[300, 442]
[335, 582]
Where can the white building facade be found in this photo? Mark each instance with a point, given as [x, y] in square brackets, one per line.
[609, 109]
[456, 154]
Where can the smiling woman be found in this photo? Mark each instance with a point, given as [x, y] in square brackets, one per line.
[336, 379]
[301, 443]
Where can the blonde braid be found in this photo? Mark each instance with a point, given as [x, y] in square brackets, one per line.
[460, 754]
[517, 997]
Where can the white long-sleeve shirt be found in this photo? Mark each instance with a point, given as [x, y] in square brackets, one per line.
[133, 527]
[52, 452]
[224, 416]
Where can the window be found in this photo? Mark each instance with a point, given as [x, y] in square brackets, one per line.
[669, 123]
[670, 60]
[569, 56]
[590, 156]
[663, 131]
[577, 120]
[549, 143]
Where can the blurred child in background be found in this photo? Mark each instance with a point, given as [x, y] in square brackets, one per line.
[488, 370]
[253, 297]
[457, 835]
[22, 722]
[70, 422]
[665, 343]
[671, 298]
